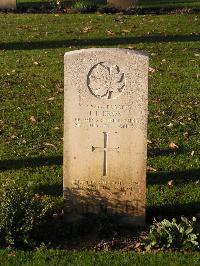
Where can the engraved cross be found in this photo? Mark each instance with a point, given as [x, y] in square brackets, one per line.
[105, 149]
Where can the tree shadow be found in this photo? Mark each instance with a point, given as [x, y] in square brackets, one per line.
[94, 202]
[154, 152]
[91, 202]
[49, 189]
[30, 162]
[173, 211]
[178, 176]
[50, 44]
[162, 177]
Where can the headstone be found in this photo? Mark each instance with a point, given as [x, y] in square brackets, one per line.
[105, 133]
[7, 4]
[122, 4]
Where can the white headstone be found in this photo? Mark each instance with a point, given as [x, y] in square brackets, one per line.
[105, 133]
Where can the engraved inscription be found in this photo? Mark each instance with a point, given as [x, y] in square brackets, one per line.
[106, 81]
[109, 116]
[105, 149]
[92, 122]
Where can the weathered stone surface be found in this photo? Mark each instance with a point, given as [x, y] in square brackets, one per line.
[7, 4]
[105, 127]
[122, 4]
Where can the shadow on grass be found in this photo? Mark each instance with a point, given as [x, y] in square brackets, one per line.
[179, 177]
[173, 211]
[165, 211]
[49, 189]
[48, 44]
[153, 152]
[30, 162]
[94, 200]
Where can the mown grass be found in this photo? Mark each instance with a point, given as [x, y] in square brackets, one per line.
[31, 85]
[60, 257]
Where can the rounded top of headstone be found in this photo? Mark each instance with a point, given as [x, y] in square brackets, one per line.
[109, 50]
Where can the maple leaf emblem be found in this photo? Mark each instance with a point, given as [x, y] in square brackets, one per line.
[105, 81]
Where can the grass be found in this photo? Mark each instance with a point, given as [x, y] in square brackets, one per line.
[32, 49]
[59, 257]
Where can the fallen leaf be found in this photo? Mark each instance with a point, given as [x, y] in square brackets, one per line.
[33, 120]
[11, 254]
[170, 125]
[47, 144]
[109, 32]
[51, 99]
[185, 134]
[170, 182]
[137, 245]
[172, 145]
[126, 31]
[151, 169]
[155, 100]
[192, 153]
[86, 29]
[152, 70]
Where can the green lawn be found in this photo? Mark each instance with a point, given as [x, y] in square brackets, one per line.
[31, 77]
[59, 257]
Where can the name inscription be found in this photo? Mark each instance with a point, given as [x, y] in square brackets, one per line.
[106, 186]
[106, 116]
